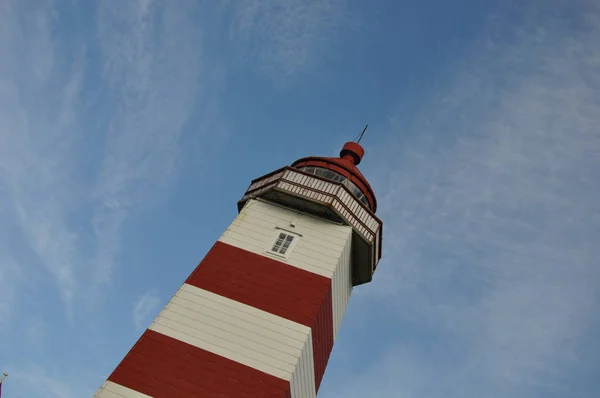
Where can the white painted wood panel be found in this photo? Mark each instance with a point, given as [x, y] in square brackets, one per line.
[251, 245]
[114, 390]
[225, 316]
[303, 381]
[256, 226]
[317, 236]
[321, 242]
[324, 247]
[196, 321]
[255, 338]
[213, 338]
[216, 346]
[303, 221]
[243, 311]
[341, 286]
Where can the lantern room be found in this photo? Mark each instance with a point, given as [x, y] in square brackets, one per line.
[343, 170]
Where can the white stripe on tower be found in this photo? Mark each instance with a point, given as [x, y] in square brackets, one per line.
[113, 390]
[325, 247]
[241, 333]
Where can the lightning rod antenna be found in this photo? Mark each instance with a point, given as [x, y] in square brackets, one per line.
[361, 134]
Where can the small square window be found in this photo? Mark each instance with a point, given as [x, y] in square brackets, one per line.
[282, 243]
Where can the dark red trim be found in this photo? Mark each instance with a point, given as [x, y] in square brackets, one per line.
[352, 151]
[323, 344]
[163, 367]
[274, 287]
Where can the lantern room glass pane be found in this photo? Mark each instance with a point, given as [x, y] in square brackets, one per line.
[337, 177]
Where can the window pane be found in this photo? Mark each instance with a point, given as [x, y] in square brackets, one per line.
[282, 243]
[336, 177]
[278, 242]
[329, 174]
[286, 244]
[356, 191]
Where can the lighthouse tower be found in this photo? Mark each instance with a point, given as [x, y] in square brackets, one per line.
[259, 314]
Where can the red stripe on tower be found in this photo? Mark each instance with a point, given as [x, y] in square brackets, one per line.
[164, 367]
[274, 287]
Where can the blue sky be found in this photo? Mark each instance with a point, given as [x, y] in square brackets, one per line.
[129, 129]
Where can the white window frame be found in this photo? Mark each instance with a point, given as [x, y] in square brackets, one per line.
[273, 242]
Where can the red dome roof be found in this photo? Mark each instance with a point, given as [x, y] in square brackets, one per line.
[350, 156]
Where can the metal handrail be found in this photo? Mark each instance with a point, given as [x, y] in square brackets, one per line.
[283, 178]
[334, 196]
[365, 207]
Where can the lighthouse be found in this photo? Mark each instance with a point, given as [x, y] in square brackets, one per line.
[259, 315]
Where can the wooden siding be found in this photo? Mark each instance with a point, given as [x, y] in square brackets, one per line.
[195, 315]
[318, 249]
[164, 367]
[272, 286]
[341, 286]
[323, 248]
[114, 390]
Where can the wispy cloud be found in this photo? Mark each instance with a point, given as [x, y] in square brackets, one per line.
[287, 38]
[69, 177]
[153, 53]
[38, 133]
[35, 332]
[145, 306]
[10, 278]
[153, 78]
[401, 372]
[491, 226]
[48, 383]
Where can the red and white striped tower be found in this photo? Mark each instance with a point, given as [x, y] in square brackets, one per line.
[259, 314]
